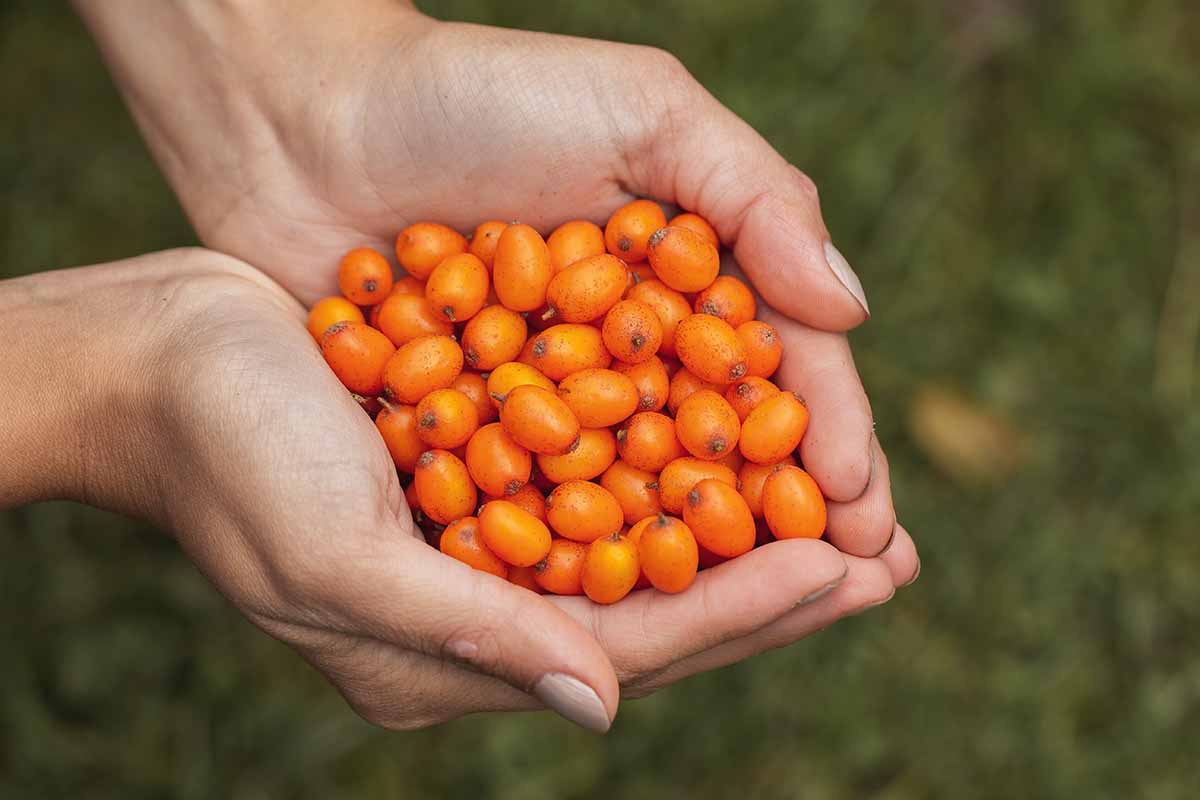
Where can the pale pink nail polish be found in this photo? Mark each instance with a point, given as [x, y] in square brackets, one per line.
[846, 275]
[573, 700]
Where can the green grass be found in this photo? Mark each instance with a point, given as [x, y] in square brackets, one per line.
[1018, 184]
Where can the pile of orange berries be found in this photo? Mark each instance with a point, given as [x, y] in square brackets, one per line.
[585, 414]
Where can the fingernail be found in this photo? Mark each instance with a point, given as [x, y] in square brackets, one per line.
[573, 700]
[916, 574]
[819, 593]
[841, 268]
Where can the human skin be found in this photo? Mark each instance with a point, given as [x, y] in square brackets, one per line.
[309, 131]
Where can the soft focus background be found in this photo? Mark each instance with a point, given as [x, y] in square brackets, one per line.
[1018, 183]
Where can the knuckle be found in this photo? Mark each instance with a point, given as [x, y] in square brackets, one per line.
[806, 185]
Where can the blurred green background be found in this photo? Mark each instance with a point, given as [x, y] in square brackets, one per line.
[1018, 184]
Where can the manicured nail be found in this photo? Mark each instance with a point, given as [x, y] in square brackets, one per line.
[573, 700]
[819, 593]
[841, 269]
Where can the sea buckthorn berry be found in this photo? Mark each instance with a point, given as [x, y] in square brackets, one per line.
[793, 504]
[610, 569]
[595, 451]
[358, 355]
[524, 577]
[648, 441]
[733, 459]
[632, 332]
[683, 259]
[492, 337]
[635, 489]
[747, 393]
[364, 276]
[587, 289]
[641, 271]
[461, 540]
[539, 420]
[512, 533]
[599, 397]
[446, 419]
[421, 366]
[729, 299]
[407, 284]
[681, 475]
[774, 428]
[475, 387]
[511, 374]
[764, 350]
[751, 479]
[397, 425]
[696, 224]
[583, 511]
[498, 465]
[444, 487]
[707, 425]
[710, 349]
[458, 287]
[667, 553]
[561, 571]
[521, 268]
[629, 228]
[329, 311]
[719, 518]
[670, 306]
[684, 384]
[574, 241]
[650, 378]
[404, 317]
[562, 349]
[485, 239]
[422, 246]
[528, 498]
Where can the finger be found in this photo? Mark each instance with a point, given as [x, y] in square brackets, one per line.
[868, 583]
[706, 159]
[864, 525]
[402, 591]
[649, 630]
[902, 558]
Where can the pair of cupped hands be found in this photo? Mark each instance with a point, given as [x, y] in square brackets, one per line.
[292, 136]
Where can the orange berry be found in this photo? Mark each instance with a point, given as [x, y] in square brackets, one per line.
[650, 378]
[524, 577]
[493, 336]
[635, 489]
[562, 349]
[511, 374]
[521, 268]
[518, 537]
[485, 239]
[648, 441]
[539, 420]
[667, 553]
[421, 366]
[629, 228]
[329, 311]
[498, 465]
[458, 287]
[407, 284]
[747, 393]
[751, 479]
[574, 241]
[683, 259]
[710, 349]
[599, 397]
[696, 224]
[398, 427]
[587, 289]
[475, 387]
[641, 271]
[707, 425]
[404, 317]
[774, 428]
[527, 498]
[684, 384]
[610, 569]
[719, 518]
[670, 306]
[561, 571]
[461, 540]
[729, 299]
[583, 511]
[594, 452]
[357, 354]
[632, 332]
[446, 419]
[793, 504]
[444, 487]
[422, 246]
[732, 459]
[681, 475]
[364, 276]
[763, 348]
